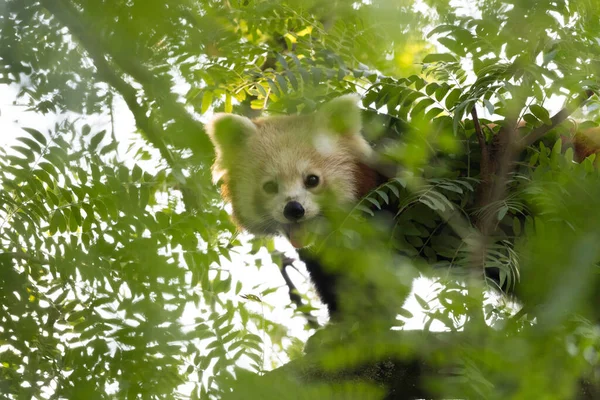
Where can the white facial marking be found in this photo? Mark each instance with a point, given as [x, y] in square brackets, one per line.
[294, 190]
[325, 144]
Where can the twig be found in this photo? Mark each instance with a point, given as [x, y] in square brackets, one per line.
[293, 292]
[111, 107]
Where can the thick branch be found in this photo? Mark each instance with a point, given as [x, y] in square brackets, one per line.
[556, 120]
[402, 378]
[502, 155]
[505, 150]
[67, 15]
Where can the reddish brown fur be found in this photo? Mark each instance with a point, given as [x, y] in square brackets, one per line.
[585, 143]
[367, 179]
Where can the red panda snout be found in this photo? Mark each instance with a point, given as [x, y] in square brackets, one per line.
[293, 211]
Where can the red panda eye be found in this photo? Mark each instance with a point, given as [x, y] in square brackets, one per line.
[311, 181]
[270, 187]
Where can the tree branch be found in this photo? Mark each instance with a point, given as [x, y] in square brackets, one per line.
[507, 146]
[407, 377]
[68, 16]
[556, 120]
[293, 291]
[502, 154]
[485, 153]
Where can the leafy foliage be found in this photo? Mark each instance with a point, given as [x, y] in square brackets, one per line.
[114, 265]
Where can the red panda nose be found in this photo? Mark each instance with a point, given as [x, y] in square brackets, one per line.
[293, 211]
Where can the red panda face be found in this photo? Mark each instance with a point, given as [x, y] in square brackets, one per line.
[281, 173]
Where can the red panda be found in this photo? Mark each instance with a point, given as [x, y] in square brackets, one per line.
[277, 172]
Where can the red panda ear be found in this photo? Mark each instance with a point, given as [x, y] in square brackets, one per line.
[342, 115]
[229, 131]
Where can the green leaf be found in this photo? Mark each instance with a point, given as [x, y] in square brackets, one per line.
[438, 57]
[432, 113]
[557, 148]
[451, 187]
[452, 98]
[490, 107]
[516, 226]
[36, 135]
[502, 212]
[373, 201]
[136, 173]
[31, 144]
[25, 151]
[452, 45]
[144, 196]
[424, 305]
[405, 313]
[394, 190]
[273, 87]
[282, 61]
[383, 195]
[431, 88]
[441, 29]
[228, 104]
[293, 81]
[82, 175]
[44, 177]
[365, 210]
[207, 98]
[58, 222]
[530, 119]
[75, 219]
[49, 168]
[261, 90]
[421, 106]
[112, 146]
[441, 92]
[541, 113]
[96, 139]
[282, 83]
